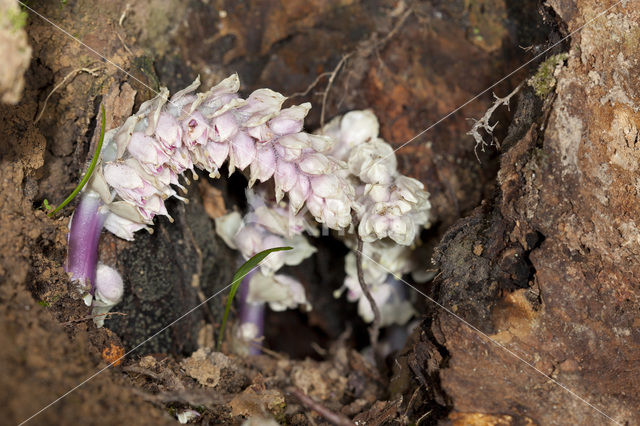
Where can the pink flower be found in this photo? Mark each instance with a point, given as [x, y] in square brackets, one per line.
[168, 132]
[195, 130]
[290, 120]
[204, 130]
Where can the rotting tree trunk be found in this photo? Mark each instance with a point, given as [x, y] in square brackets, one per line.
[550, 267]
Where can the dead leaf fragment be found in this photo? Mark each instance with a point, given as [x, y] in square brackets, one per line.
[206, 366]
[255, 401]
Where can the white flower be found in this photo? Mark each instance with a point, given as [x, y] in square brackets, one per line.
[358, 127]
[186, 416]
[128, 183]
[195, 130]
[351, 130]
[394, 309]
[373, 162]
[398, 211]
[261, 106]
[391, 210]
[376, 226]
[290, 120]
[264, 165]
[146, 150]
[122, 227]
[168, 132]
[227, 226]
[281, 292]
[242, 152]
[381, 260]
[279, 220]
[265, 228]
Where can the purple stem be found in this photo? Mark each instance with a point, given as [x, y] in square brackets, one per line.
[251, 313]
[84, 234]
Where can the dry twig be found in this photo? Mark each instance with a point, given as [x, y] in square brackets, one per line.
[123, 43]
[335, 418]
[365, 50]
[193, 397]
[91, 317]
[166, 376]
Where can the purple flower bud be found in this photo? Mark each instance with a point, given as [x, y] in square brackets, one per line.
[109, 289]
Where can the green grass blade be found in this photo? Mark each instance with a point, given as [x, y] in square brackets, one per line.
[86, 176]
[237, 280]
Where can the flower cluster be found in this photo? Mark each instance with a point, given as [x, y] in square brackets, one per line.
[391, 209]
[146, 156]
[388, 203]
[344, 168]
[265, 227]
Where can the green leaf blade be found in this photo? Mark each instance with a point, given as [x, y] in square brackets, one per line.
[242, 272]
[86, 176]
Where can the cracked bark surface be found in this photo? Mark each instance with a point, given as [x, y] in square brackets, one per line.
[550, 267]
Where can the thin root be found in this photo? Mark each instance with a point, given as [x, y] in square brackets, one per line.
[67, 78]
[332, 77]
[311, 86]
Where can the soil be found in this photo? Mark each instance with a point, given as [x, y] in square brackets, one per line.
[533, 246]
